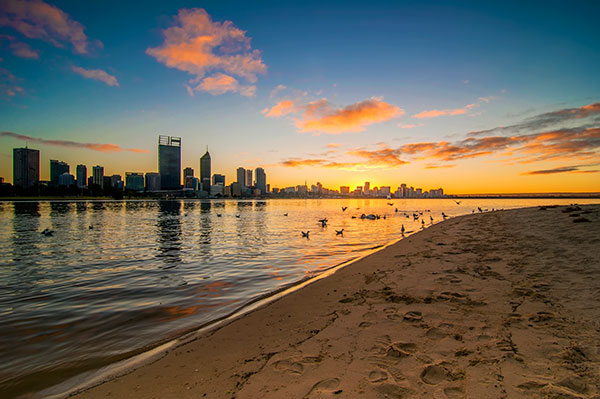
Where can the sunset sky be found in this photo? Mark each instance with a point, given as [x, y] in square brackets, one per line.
[475, 98]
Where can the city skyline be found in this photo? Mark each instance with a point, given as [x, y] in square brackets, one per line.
[475, 98]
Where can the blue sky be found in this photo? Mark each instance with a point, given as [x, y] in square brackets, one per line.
[367, 67]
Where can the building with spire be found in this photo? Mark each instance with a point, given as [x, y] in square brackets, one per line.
[205, 172]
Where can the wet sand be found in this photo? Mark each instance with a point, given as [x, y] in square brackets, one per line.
[495, 305]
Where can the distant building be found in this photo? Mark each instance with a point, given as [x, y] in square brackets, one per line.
[98, 175]
[344, 190]
[249, 178]
[241, 176]
[81, 176]
[26, 167]
[261, 180]
[236, 189]
[367, 188]
[188, 172]
[57, 168]
[385, 190]
[66, 179]
[217, 178]
[153, 181]
[116, 181]
[192, 182]
[169, 162]
[134, 181]
[217, 190]
[205, 171]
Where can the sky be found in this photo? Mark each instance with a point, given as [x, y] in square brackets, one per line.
[474, 97]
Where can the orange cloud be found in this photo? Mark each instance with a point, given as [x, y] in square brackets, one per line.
[38, 20]
[197, 45]
[280, 109]
[383, 156]
[73, 144]
[219, 83]
[96, 74]
[20, 49]
[409, 126]
[435, 112]
[321, 117]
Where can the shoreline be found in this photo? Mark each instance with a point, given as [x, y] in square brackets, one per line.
[422, 317]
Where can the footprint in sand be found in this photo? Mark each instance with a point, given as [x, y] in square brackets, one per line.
[400, 349]
[289, 366]
[376, 376]
[413, 315]
[454, 393]
[324, 386]
[433, 374]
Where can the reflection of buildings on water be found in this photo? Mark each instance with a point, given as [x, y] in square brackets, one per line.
[26, 232]
[168, 231]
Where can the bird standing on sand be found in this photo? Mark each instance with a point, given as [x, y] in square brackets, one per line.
[344, 208]
[444, 215]
[339, 232]
[457, 202]
[402, 230]
[305, 234]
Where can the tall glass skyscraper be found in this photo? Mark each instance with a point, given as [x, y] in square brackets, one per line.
[26, 167]
[205, 171]
[169, 162]
[57, 168]
[261, 180]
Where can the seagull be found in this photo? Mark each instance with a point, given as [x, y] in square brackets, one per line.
[444, 215]
[339, 232]
[480, 210]
[237, 216]
[344, 208]
[323, 223]
[422, 222]
[47, 232]
[218, 215]
[457, 202]
[402, 230]
[431, 218]
[390, 203]
[285, 214]
[396, 210]
[305, 234]
[323, 220]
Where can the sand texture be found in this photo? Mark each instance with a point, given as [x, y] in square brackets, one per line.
[495, 305]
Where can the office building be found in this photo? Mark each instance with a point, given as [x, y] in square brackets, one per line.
[205, 172]
[344, 190]
[57, 168]
[169, 162]
[81, 176]
[26, 167]
[66, 179]
[261, 180]
[134, 181]
[241, 176]
[217, 178]
[153, 181]
[188, 172]
[98, 175]
[249, 178]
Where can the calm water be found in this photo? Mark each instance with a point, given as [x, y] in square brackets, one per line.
[150, 270]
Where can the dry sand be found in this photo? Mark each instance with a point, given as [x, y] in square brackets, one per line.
[496, 305]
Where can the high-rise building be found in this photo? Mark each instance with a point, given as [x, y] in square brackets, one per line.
[57, 168]
[26, 167]
[169, 162]
[81, 176]
[249, 178]
[241, 176]
[367, 188]
[344, 190]
[188, 172]
[153, 181]
[134, 181]
[98, 175]
[66, 179]
[217, 178]
[205, 172]
[261, 180]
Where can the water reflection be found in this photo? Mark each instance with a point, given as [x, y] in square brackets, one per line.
[168, 228]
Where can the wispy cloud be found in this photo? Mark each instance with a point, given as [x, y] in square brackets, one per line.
[19, 48]
[409, 125]
[277, 90]
[442, 112]
[197, 45]
[547, 119]
[562, 169]
[72, 144]
[96, 74]
[323, 117]
[9, 86]
[280, 109]
[36, 19]
[382, 156]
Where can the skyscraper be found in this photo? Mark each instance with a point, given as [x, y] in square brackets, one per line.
[188, 172]
[81, 176]
[205, 171]
[26, 167]
[249, 178]
[57, 168]
[169, 162]
[98, 175]
[261, 180]
[241, 176]
[217, 178]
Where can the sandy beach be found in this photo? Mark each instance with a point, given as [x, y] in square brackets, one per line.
[495, 305]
